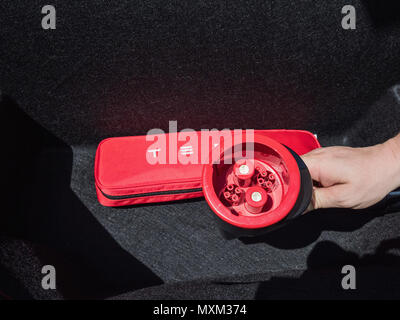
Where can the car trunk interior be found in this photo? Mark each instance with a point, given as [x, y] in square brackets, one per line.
[123, 68]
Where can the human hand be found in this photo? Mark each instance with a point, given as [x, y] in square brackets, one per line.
[354, 178]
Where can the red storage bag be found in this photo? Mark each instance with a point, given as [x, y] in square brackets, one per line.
[125, 176]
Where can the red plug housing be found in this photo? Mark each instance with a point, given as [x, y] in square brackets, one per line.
[275, 183]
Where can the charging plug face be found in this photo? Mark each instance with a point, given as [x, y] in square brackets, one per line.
[252, 192]
[250, 187]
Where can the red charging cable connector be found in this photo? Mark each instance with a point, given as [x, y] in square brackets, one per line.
[254, 195]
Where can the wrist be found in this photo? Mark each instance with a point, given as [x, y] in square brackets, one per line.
[392, 155]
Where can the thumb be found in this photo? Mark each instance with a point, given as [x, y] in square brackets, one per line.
[312, 164]
[323, 198]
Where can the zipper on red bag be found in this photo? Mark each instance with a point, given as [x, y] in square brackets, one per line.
[150, 194]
